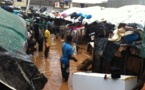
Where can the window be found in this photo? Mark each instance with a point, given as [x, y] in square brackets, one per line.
[19, 0]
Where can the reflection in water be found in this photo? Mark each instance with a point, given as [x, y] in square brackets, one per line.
[51, 67]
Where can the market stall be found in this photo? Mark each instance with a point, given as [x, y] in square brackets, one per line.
[132, 16]
[103, 22]
[118, 42]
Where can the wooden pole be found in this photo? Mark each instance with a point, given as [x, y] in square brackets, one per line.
[28, 5]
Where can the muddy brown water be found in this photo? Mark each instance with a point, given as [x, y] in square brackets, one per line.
[51, 66]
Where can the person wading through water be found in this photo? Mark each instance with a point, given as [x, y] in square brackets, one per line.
[47, 42]
[67, 55]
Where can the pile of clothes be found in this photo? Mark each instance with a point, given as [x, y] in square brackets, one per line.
[128, 35]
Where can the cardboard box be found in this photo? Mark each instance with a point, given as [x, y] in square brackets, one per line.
[96, 81]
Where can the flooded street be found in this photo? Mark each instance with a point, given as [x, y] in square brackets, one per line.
[51, 66]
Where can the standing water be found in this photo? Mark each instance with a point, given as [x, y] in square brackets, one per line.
[51, 66]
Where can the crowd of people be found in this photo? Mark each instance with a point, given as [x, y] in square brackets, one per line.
[39, 29]
[40, 34]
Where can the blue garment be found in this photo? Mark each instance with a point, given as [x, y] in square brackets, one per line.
[48, 24]
[129, 39]
[67, 51]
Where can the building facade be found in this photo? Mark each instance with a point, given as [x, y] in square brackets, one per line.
[119, 3]
[22, 3]
[111, 3]
[44, 2]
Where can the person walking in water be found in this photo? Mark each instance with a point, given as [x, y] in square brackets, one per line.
[47, 42]
[67, 55]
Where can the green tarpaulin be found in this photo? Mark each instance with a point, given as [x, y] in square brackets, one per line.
[13, 34]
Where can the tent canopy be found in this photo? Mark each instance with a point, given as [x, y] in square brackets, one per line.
[126, 14]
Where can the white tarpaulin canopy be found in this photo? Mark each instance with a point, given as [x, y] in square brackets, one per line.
[129, 14]
[89, 1]
[126, 14]
[71, 10]
[99, 14]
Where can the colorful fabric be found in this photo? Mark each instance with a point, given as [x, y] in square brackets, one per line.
[129, 39]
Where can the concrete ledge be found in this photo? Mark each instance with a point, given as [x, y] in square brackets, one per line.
[96, 81]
